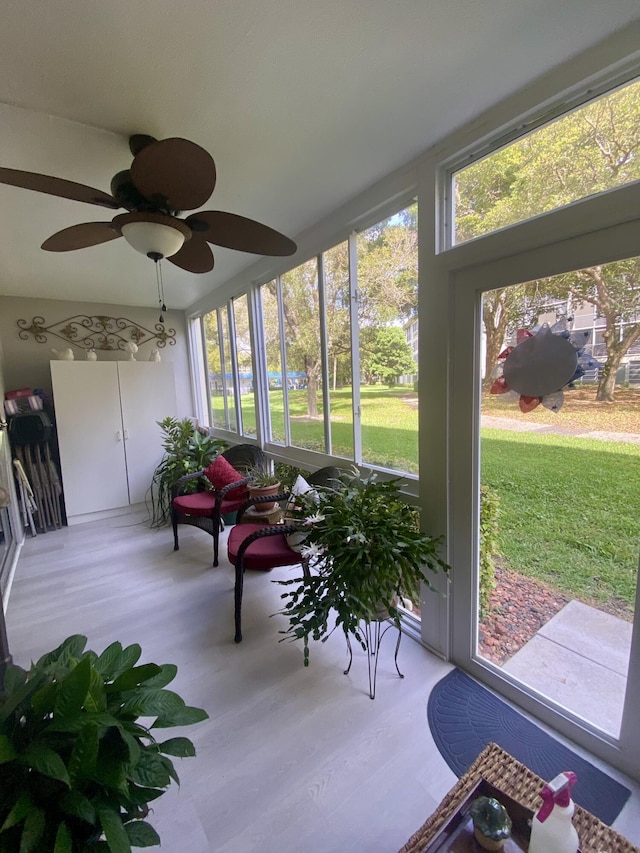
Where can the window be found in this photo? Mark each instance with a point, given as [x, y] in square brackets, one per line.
[592, 149]
[387, 318]
[244, 362]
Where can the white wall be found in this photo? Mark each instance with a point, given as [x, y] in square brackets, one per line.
[26, 362]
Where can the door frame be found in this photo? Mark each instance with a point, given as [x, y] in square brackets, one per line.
[467, 284]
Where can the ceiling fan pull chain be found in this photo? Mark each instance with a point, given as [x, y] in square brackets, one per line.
[159, 284]
[163, 307]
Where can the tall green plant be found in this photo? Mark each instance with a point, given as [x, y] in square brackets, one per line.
[77, 767]
[489, 545]
[365, 550]
[186, 451]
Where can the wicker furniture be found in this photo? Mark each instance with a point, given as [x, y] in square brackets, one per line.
[204, 509]
[262, 548]
[521, 784]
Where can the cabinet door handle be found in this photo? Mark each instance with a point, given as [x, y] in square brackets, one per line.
[126, 435]
[119, 435]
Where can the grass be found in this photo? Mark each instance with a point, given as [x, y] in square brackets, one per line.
[568, 504]
[568, 511]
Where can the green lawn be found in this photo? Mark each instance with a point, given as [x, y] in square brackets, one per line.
[568, 510]
[569, 506]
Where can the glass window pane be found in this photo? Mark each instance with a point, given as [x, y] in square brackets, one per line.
[592, 149]
[227, 370]
[272, 337]
[300, 301]
[245, 366]
[216, 382]
[560, 489]
[387, 321]
[338, 325]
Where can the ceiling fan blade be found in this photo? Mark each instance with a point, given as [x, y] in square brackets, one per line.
[56, 186]
[139, 141]
[80, 237]
[176, 172]
[238, 232]
[194, 256]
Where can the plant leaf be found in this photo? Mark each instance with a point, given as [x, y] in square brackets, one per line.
[106, 662]
[63, 840]
[82, 762]
[32, 831]
[71, 648]
[96, 699]
[131, 678]
[73, 691]
[182, 717]
[45, 761]
[178, 746]
[14, 678]
[7, 752]
[151, 703]
[76, 804]
[114, 831]
[168, 672]
[139, 796]
[150, 771]
[21, 808]
[141, 834]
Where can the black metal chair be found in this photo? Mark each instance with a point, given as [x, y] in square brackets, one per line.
[205, 508]
[262, 548]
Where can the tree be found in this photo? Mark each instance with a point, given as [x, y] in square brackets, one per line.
[388, 355]
[588, 151]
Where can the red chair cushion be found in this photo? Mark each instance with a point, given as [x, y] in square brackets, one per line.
[263, 554]
[221, 473]
[200, 503]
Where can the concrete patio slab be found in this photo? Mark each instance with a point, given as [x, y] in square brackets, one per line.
[579, 659]
[597, 636]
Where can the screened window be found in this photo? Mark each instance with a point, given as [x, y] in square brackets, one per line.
[387, 324]
[244, 362]
[592, 149]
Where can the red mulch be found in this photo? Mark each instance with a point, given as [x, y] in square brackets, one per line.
[518, 608]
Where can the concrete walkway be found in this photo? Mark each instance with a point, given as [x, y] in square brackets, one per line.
[579, 659]
[516, 425]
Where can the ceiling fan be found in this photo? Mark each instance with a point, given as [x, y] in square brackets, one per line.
[166, 177]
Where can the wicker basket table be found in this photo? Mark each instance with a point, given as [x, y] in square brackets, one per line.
[521, 784]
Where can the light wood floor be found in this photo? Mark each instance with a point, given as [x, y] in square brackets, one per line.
[292, 760]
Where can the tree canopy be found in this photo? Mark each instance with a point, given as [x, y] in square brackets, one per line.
[591, 150]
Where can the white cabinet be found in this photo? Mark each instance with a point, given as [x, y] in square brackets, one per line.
[110, 443]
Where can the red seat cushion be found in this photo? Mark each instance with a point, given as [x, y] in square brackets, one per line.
[200, 503]
[263, 554]
[221, 473]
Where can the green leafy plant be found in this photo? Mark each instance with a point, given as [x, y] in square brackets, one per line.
[489, 545]
[261, 477]
[77, 767]
[365, 551]
[186, 451]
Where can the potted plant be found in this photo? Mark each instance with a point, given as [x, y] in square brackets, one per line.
[78, 768]
[263, 483]
[186, 451]
[366, 553]
[491, 823]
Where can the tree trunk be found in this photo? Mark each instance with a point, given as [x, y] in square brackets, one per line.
[496, 321]
[616, 349]
[311, 369]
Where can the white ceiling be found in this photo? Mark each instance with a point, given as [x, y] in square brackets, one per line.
[302, 103]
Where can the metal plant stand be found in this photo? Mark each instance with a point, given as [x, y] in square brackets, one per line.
[373, 634]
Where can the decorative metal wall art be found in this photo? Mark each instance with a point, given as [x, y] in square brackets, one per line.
[96, 332]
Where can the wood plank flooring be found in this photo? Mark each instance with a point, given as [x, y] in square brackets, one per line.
[292, 760]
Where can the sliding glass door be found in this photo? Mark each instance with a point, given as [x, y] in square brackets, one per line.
[546, 484]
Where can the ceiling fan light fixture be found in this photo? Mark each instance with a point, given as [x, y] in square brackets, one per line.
[153, 234]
